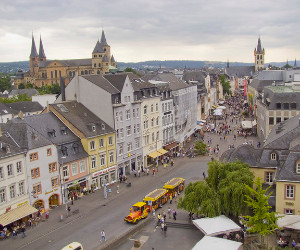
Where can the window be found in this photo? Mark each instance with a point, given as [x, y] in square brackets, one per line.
[278, 105]
[134, 129]
[157, 121]
[111, 156]
[102, 159]
[128, 129]
[289, 211]
[133, 113]
[153, 137]
[137, 112]
[118, 133]
[145, 109]
[19, 167]
[1, 173]
[137, 142]
[152, 122]
[121, 133]
[54, 182]
[269, 177]
[35, 172]
[278, 119]
[2, 195]
[92, 145]
[74, 168]
[121, 116]
[129, 147]
[293, 105]
[273, 156]
[157, 135]
[93, 161]
[127, 114]
[271, 120]
[289, 191]
[37, 189]
[138, 128]
[33, 157]
[21, 188]
[10, 170]
[286, 105]
[117, 116]
[120, 149]
[156, 107]
[12, 191]
[52, 167]
[297, 168]
[66, 171]
[110, 140]
[101, 142]
[82, 166]
[49, 151]
[146, 124]
[152, 108]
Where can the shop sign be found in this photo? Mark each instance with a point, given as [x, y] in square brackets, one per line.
[76, 182]
[104, 171]
[23, 203]
[49, 192]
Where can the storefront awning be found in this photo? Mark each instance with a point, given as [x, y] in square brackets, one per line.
[171, 146]
[16, 214]
[158, 153]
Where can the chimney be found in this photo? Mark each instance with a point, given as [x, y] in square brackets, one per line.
[62, 88]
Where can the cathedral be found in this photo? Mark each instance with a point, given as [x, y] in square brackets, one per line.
[46, 72]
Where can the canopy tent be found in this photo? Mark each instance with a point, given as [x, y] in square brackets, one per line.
[158, 153]
[16, 214]
[221, 107]
[212, 243]
[217, 225]
[289, 221]
[248, 124]
[218, 112]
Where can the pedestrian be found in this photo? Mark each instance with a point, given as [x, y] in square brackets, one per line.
[162, 226]
[164, 215]
[14, 234]
[147, 171]
[171, 198]
[165, 228]
[139, 173]
[158, 218]
[169, 212]
[23, 229]
[47, 215]
[175, 196]
[204, 175]
[153, 213]
[174, 214]
[153, 171]
[103, 236]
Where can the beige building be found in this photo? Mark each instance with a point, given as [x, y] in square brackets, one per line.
[46, 72]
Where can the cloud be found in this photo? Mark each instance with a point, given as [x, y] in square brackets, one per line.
[140, 30]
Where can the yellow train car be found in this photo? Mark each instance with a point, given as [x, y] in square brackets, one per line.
[156, 198]
[176, 185]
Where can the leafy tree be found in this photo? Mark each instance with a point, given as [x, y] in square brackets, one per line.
[263, 221]
[5, 82]
[19, 98]
[29, 85]
[21, 86]
[226, 85]
[50, 89]
[200, 148]
[132, 70]
[222, 192]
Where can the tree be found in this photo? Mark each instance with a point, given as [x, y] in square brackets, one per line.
[50, 89]
[226, 85]
[222, 192]
[132, 70]
[262, 221]
[200, 148]
[19, 98]
[5, 83]
[21, 86]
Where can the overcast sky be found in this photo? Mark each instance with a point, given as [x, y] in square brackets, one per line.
[139, 30]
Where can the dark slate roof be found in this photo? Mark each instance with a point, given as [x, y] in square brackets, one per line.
[259, 49]
[245, 153]
[74, 150]
[112, 59]
[240, 71]
[25, 107]
[105, 59]
[194, 76]
[288, 171]
[98, 48]
[260, 84]
[82, 118]
[51, 128]
[101, 82]
[41, 51]
[171, 79]
[103, 39]
[9, 146]
[283, 133]
[69, 62]
[274, 75]
[117, 80]
[28, 92]
[4, 110]
[33, 49]
[27, 137]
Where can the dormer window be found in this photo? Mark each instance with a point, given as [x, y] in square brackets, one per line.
[298, 167]
[51, 132]
[273, 156]
[63, 130]
[117, 100]
[7, 149]
[93, 128]
[103, 126]
[64, 152]
[75, 147]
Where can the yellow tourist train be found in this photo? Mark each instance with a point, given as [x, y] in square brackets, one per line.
[155, 200]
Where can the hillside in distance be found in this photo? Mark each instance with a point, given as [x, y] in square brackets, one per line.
[13, 67]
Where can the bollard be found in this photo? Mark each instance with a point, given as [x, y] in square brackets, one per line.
[137, 243]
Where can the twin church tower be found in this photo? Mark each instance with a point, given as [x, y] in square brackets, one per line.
[46, 72]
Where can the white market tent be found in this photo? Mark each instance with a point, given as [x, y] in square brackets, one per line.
[213, 243]
[217, 225]
[248, 124]
[218, 112]
[221, 107]
[289, 221]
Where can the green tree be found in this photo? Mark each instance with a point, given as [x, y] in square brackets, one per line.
[132, 70]
[222, 192]
[226, 85]
[200, 148]
[29, 85]
[262, 221]
[5, 82]
[21, 86]
[19, 98]
[50, 89]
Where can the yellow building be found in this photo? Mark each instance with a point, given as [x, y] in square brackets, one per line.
[97, 138]
[45, 72]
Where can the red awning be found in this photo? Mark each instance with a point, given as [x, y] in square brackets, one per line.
[171, 146]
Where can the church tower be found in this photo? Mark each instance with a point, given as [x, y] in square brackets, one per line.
[42, 55]
[259, 57]
[34, 59]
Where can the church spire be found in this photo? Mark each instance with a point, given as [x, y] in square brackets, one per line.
[33, 49]
[227, 66]
[41, 51]
[259, 50]
[295, 63]
[103, 39]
